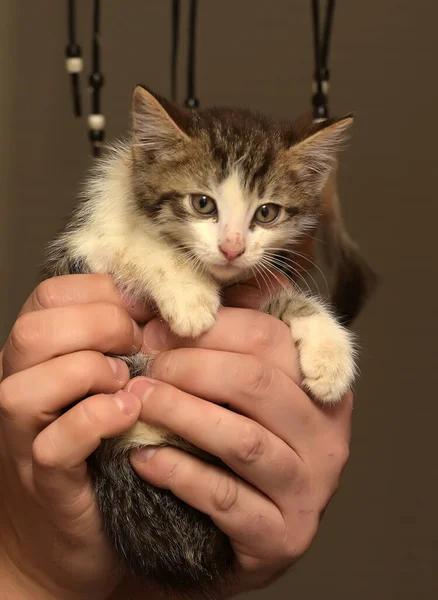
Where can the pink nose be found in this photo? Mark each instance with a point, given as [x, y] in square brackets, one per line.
[231, 254]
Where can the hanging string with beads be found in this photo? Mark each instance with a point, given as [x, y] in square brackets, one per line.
[321, 75]
[96, 120]
[73, 53]
[191, 100]
[176, 10]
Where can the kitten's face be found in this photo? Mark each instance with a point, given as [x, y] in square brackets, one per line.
[230, 229]
[230, 188]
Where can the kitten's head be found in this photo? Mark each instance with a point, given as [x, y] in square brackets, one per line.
[230, 187]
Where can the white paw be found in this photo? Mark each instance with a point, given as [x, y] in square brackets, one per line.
[326, 355]
[191, 311]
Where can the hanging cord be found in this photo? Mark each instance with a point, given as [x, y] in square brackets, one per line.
[192, 101]
[321, 52]
[73, 63]
[174, 52]
[96, 120]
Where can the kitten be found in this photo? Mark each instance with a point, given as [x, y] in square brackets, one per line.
[196, 200]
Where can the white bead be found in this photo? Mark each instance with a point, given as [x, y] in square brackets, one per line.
[96, 122]
[324, 86]
[74, 64]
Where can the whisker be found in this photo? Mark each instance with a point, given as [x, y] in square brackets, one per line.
[295, 272]
[254, 272]
[260, 271]
[313, 263]
[272, 272]
[310, 261]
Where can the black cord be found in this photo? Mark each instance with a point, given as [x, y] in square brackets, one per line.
[71, 24]
[73, 55]
[96, 80]
[321, 55]
[327, 31]
[176, 11]
[192, 101]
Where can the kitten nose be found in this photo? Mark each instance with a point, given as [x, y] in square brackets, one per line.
[231, 254]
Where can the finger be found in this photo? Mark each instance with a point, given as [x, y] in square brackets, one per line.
[255, 292]
[236, 330]
[39, 336]
[245, 446]
[61, 449]
[249, 385]
[248, 518]
[82, 289]
[45, 389]
[253, 388]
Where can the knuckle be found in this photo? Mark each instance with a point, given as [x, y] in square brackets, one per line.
[118, 317]
[265, 331]
[339, 453]
[164, 366]
[24, 333]
[87, 364]
[87, 369]
[44, 454]
[262, 331]
[116, 322]
[251, 444]
[89, 414]
[225, 493]
[298, 541]
[257, 376]
[297, 547]
[46, 294]
[8, 407]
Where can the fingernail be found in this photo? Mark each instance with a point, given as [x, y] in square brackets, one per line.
[118, 367]
[156, 335]
[142, 455]
[127, 403]
[138, 336]
[141, 387]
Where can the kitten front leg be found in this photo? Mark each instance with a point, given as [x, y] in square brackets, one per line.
[185, 297]
[189, 305]
[325, 348]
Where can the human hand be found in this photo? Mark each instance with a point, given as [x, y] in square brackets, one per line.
[287, 452]
[51, 542]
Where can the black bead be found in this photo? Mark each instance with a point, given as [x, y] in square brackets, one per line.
[192, 103]
[73, 51]
[96, 80]
[96, 135]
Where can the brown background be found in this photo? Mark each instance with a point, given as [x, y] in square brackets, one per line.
[379, 536]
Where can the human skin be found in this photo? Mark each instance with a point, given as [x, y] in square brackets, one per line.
[286, 450]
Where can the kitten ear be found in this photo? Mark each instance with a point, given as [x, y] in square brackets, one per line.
[315, 154]
[157, 123]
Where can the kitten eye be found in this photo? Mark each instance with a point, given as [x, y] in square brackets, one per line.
[203, 204]
[267, 213]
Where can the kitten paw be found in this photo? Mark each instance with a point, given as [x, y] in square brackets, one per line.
[192, 312]
[326, 355]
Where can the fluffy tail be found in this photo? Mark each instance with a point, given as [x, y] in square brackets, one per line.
[155, 534]
[353, 279]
